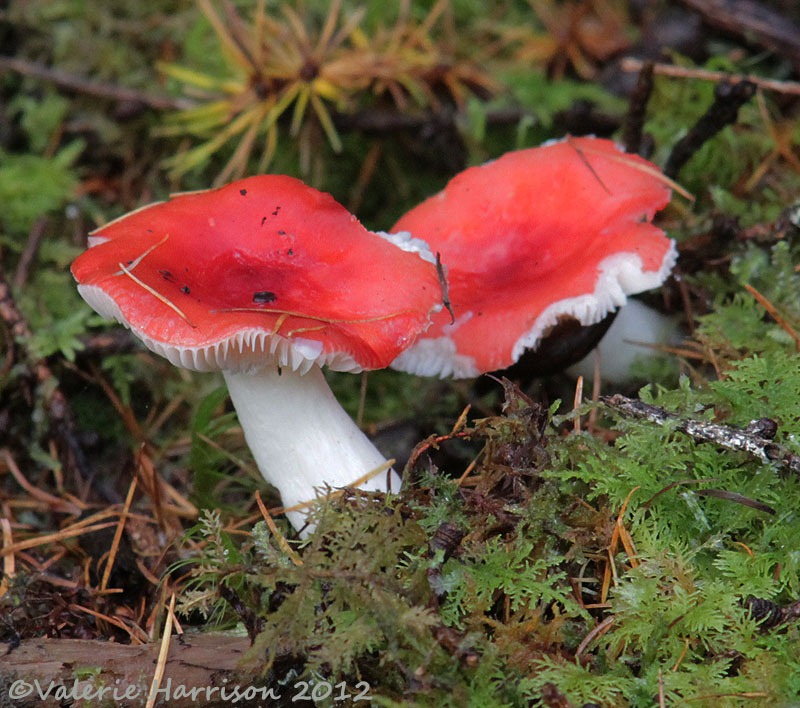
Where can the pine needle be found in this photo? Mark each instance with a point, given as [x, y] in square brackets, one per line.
[162, 655]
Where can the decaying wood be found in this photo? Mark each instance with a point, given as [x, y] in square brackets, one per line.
[78, 669]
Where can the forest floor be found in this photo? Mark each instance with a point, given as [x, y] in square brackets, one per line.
[555, 544]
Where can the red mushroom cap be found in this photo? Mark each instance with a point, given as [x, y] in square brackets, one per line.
[536, 235]
[224, 278]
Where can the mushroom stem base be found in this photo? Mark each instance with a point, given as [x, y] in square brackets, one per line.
[301, 438]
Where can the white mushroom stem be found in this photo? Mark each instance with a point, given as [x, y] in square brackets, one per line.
[636, 332]
[301, 438]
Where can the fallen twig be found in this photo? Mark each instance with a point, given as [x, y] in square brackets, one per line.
[80, 84]
[685, 72]
[750, 440]
[28, 255]
[728, 99]
[772, 311]
[633, 127]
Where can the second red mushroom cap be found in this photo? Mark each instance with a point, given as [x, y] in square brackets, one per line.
[538, 235]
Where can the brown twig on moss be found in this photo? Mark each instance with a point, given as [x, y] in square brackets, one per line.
[728, 99]
[751, 440]
[684, 72]
[28, 255]
[460, 430]
[80, 84]
[637, 106]
[772, 311]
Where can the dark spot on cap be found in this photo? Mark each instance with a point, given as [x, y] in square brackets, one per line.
[185, 290]
[262, 297]
[167, 275]
[243, 192]
[290, 252]
[263, 219]
[277, 209]
[281, 232]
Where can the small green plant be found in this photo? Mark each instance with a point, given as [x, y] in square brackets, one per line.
[298, 64]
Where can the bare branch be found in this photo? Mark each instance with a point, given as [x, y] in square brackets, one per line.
[80, 84]
[756, 440]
